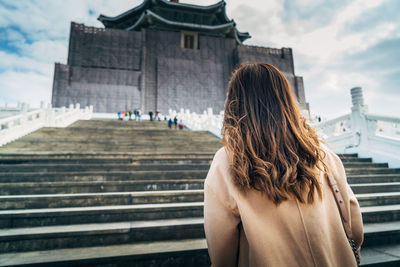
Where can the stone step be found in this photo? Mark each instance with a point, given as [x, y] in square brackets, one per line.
[102, 155]
[102, 214]
[98, 214]
[101, 139]
[384, 213]
[99, 167]
[375, 187]
[41, 161]
[78, 130]
[139, 164]
[383, 233]
[188, 252]
[147, 149]
[101, 176]
[143, 137]
[97, 187]
[15, 160]
[70, 187]
[33, 156]
[353, 159]
[350, 155]
[373, 178]
[199, 146]
[85, 235]
[125, 123]
[153, 175]
[358, 171]
[12, 161]
[381, 256]
[98, 199]
[375, 199]
[363, 165]
[129, 198]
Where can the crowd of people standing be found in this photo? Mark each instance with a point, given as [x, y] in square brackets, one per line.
[175, 122]
[153, 116]
[128, 114]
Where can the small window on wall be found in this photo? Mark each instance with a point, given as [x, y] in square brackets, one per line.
[189, 40]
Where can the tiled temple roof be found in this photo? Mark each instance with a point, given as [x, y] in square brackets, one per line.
[168, 15]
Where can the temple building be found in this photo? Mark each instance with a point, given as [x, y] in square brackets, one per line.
[160, 55]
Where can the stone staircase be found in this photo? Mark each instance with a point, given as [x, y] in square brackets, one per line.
[122, 193]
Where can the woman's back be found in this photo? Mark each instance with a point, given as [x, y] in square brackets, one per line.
[248, 229]
[267, 198]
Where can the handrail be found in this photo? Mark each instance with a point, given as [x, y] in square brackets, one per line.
[16, 126]
[368, 135]
[333, 121]
[383, 118]
[19, 116]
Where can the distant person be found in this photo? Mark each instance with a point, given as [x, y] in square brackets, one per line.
[130, 115]
[176, 122]
[181, 125]
[170, 124]
[139, 113]
[274, 195]
[151, 115]
[135, 112]
[119, 115]
[156, 117]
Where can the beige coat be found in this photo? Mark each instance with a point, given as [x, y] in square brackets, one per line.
[247, 229]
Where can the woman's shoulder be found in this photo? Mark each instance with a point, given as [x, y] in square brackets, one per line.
[331, 158]
[334, 164]
[221, 156]
[219, 172]
[219, 180]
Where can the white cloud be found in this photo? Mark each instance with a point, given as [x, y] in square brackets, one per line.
[320, 49]
[27, 87]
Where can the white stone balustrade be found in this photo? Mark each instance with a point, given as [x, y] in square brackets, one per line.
[367, 135]
[200, 122]
[14, 127]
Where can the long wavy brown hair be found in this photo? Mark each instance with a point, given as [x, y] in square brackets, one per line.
[270, 146]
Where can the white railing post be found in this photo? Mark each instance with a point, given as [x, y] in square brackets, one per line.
[358, 120]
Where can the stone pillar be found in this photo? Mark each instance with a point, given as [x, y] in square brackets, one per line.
[358, 120]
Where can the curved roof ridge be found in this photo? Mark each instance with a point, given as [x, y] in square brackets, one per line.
[128, 12]
[216, 5]
[168, 3]
[142, 14]
[149, 13]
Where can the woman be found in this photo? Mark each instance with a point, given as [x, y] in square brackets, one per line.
[268, 201]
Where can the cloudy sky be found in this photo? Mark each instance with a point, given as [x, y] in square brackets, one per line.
[337, 44]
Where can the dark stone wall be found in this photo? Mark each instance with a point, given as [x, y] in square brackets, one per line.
[60, 85]
[117, 70]
[109, 90]
[104, 48]
[193, 79]
[103, 70]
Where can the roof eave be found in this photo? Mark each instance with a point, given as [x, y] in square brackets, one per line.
[104, 19]
[149, 14]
